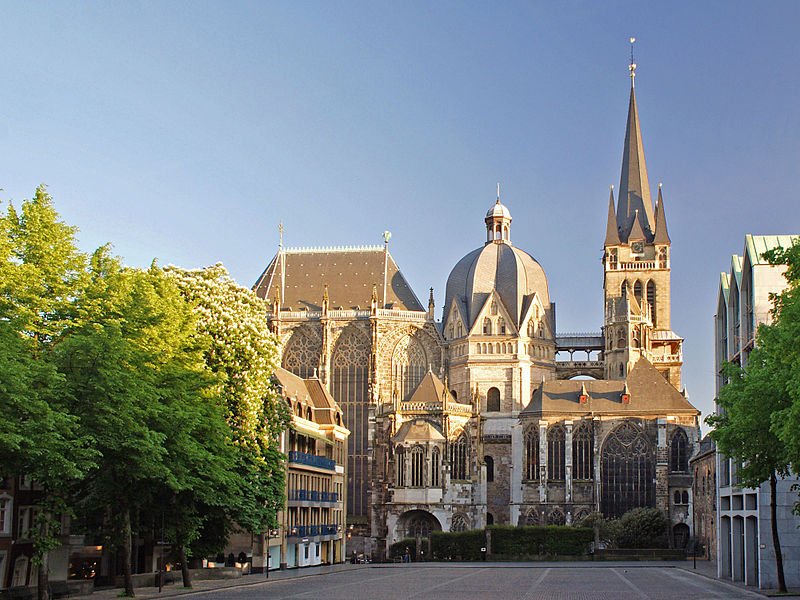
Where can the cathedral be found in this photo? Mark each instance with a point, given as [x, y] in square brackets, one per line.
[484, 417]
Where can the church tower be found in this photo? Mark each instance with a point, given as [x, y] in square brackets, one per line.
[636, 264]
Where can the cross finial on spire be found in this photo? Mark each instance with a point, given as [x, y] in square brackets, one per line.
[280, 234]
[632, 66]
[498, 192]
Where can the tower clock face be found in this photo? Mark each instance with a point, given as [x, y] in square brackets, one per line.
[637, 247]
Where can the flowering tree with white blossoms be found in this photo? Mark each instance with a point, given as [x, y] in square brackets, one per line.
[243, 353]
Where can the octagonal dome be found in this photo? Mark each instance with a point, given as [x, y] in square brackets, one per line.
[497, 266]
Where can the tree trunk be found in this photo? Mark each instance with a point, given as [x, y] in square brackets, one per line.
[776, 542]
[187, 579]
[126, 551]
[43, 578]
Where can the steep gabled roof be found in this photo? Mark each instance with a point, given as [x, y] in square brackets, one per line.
[756, 245]
[612, 231]
[349, 273]
[662, 235]
[419, 430]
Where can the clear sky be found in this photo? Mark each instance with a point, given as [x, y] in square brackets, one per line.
[187, 130]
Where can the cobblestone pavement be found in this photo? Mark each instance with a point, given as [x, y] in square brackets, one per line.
[502, 581]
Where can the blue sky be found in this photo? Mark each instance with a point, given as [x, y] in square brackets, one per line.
[185, 131]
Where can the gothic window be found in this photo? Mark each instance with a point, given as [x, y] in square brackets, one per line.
[420, 523]
[583, 452]
[636, 341]
[662, 258]
[408, 366]
[489, 518]
[580, 516]
[400, 463]
[302, 353]
[621, 341]
[493, 400]
[417, 467]
[684, 497]
[556, 517]
[637, 292]
[679, 452]
[487, 326]
[627, 471]
[489, 468]
[623, 290]
[532, 453]
[460, 523]
[459, 458]
[350, 365]
[460, 329]
[435, 462]
[556, 468]
[651, 300]
[612, 259]
[532, 517]
[501, 326]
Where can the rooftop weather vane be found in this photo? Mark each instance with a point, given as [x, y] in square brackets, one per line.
[498, 192]
[632, 66]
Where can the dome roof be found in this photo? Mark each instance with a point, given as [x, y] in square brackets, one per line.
[512, 272]
[498, 210]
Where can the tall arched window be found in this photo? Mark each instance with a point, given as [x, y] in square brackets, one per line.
[623, 289]
[487, 326]
[627, 471]
[532, 453]
[583, 452]
[493, 400]
[417, 467]
[350, 366]
[556, 467]
[679, 452]
[400, 464]
[637, 292]
[501, 326]
[651, 300]
[489, 468]
[408, 366]
[435, 462]
[459, 458]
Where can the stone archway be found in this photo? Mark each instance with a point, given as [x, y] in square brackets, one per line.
[418, 525]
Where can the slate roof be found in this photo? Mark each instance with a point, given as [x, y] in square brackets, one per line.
[634, 187]
[650, 394]
[349, 273]
[311, 393]
[418, 430]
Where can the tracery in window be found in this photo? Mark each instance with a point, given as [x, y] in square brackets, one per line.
[556, 438]
[532, 453]
[302, 352]
[417, 467]
[435, 467]
[400, 464]
[556, 517]
[627, 471]
[459, 458]
[679, 452]
[583, 452]
[532, 517]
[408, 366]
[459, 523]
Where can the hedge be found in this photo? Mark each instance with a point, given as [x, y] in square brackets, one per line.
[552, 540]
[462, 545]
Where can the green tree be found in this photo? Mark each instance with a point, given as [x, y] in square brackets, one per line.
[243, 354]
[137, 380]
[41, 272]
[757, 423]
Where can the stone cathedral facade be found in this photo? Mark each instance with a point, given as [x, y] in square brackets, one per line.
[479, 418]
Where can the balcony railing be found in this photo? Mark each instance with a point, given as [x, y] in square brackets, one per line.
[312, 460]
[313, 495]
[313, 530]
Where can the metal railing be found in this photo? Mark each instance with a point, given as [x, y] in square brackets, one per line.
[313, 495]
[312, 460]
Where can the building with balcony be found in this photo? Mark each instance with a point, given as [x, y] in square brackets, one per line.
[744, 540]
[311, 528]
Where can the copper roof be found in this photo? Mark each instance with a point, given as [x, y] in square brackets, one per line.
[349, 273]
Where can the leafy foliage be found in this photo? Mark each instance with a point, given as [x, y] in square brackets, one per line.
[643, 528]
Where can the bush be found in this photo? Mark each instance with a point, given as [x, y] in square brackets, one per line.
[643, 528]
[462, 545]
[553, 540]
[398, 549]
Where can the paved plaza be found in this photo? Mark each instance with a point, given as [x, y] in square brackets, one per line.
[494, 581]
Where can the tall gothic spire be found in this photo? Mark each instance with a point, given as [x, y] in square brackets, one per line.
[634, 188]
[662, 235]
[612, 234]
